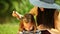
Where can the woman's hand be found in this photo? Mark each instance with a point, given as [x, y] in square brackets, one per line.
[53, 31]
[41, 27]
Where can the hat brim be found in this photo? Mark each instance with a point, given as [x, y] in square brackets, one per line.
[40, 4]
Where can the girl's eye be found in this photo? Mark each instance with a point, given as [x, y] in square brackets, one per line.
[25, 20]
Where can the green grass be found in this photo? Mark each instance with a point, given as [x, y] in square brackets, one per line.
[9, 28]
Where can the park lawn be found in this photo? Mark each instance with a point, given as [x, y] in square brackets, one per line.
[9, 28]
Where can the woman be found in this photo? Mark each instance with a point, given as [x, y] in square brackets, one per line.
[47, 15]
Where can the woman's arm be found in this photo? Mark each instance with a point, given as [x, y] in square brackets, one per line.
[57, 24]
[57, 20]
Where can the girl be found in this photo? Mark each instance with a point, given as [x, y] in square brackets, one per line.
[27, 23]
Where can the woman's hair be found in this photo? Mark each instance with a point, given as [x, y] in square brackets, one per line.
[29, 18]
[46, 17]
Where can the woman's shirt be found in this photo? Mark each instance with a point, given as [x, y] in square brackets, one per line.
[45, 17]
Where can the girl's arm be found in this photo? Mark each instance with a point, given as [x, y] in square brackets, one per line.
[57, 20]
[21, 26]
[17, 15]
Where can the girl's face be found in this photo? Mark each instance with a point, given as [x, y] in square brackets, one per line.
[28, 25]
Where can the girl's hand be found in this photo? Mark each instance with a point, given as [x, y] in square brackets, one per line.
[14, 14]
[20, 33]
[17, 15]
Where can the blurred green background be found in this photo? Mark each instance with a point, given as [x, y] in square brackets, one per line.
[8, 23]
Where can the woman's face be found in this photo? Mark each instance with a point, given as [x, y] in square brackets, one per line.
[42, 9]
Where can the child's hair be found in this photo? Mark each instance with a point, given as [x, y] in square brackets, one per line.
[29, 19]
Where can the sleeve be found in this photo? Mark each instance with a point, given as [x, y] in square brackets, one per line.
[33, 11]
